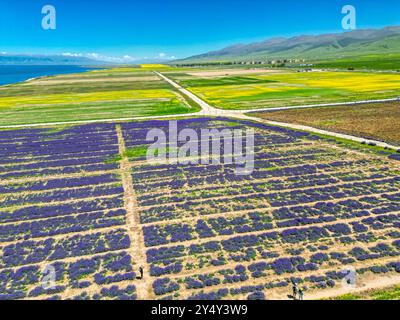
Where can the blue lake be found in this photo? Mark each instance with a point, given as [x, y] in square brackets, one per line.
[13, 74]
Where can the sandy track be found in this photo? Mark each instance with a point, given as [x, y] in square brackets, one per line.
[207, 110]
[378, 283]
[133, 222]
[135, 232]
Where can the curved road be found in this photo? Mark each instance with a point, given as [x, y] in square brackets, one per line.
[211, 111]
[207, 110]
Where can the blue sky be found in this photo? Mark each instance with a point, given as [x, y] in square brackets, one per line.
[172, 28]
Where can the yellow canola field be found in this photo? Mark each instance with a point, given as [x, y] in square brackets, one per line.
[352, 81]
[238, 91]
[349, 82]
[86, 97]
[154, 66]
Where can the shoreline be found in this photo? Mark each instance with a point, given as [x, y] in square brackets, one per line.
[75, 69]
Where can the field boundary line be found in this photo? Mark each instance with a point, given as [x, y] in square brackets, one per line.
[135, 231]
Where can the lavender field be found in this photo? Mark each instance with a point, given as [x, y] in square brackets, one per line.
[74, 199]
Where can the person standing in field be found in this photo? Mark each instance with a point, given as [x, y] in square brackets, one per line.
[301, 294]
[295, 290]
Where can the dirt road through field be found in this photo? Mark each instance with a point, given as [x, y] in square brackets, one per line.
[208, 110]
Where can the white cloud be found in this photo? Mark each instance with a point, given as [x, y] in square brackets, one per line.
[100, 57]
[119, 59]
[69, 54]
[164, 56]
[93, 55]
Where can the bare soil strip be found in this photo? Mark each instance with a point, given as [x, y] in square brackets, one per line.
[377, 283]
[135, 232]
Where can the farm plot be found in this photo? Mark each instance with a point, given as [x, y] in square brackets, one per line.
[84, 202]
[379, 121]
[63, 211]
[101, 94]
[250, 91]
[310, 207]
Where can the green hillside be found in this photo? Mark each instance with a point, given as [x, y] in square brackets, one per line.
[370, 49]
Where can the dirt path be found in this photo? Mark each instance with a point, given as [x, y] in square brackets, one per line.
[208, 110]
[211, 111]
[378, 283]
[135, 232]
[133, 225]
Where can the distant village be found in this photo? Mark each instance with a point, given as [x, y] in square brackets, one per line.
[274, 63]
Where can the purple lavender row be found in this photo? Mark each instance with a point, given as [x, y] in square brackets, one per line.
[110, 268]
[213, 177]
[168, 260]
[211, 170]
[342, 209]
[58, 183]
[55, 139]
[61, 225]
[241, 274]
[61, 170]
[62, 195]
[45, 142]
[50, 164]
[291, 183]
[39, 149]
[58, 156]
[249, 202]
[30, 251]
[64, 209]
[294, 235]
[75, 129]
[161, 235]
[310, 181]
[335, 192]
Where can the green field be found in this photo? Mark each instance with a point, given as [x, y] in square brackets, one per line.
[369, 62]
[100, 94]
[292, 88]
[128, 92]
[392, 293]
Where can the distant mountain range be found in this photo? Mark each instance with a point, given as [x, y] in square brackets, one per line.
[23, 59]
[352, 43]
[71, 59]
[309, 47]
